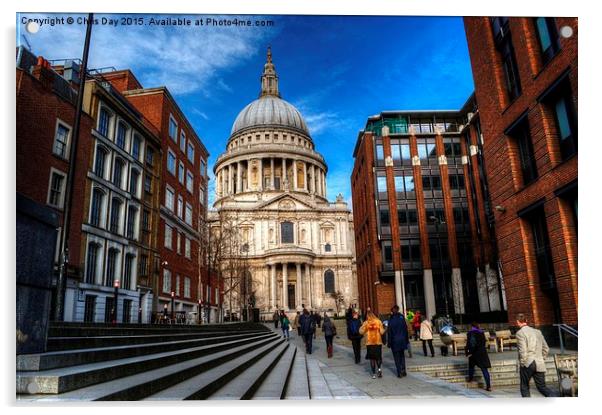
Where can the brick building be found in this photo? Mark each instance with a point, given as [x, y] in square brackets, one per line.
[525, 74]
[416, 219]
[183, 199]
[45, 111]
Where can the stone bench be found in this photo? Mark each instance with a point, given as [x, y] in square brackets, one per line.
[504, 338]
[566, 369]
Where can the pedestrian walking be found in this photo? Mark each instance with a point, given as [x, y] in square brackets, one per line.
[416, 324]
[476, 350]
[398, 340]
[308, 329]
[426, 335]
[296, 324]
[330, 331]
[353, 334]
[348, 314]
[276, 318]
[373, 329]
[285, 326]
[532, 352]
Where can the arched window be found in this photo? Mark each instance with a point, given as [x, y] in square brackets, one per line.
[91, 261]
[116, 204]
[97, 202]
[329, 281]
[99, 164]
[327, 248]
[128, 272]
[118, 172]
[134, 175]
[111, 266]
[286, 233]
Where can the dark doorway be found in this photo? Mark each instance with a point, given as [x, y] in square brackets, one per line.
[89, 308]
[109, 304]
[291, 296]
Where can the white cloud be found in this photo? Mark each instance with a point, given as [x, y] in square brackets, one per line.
[185, 59]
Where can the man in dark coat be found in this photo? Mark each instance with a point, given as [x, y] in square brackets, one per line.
[398, 340]
[353, 334]
[308, 327]
[276, 319]
[348, 314]
[476, 350]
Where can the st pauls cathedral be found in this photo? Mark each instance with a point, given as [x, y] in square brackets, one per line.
[299, 246]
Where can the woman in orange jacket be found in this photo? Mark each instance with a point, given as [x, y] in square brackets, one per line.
[373, 329]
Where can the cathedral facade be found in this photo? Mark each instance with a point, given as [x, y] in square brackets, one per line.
[298, 246]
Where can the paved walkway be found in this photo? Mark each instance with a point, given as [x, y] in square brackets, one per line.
[347, 380]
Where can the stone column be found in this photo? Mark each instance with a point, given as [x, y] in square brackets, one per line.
[458, 293]
[324, 183]
[309, 291]
[399, 289]
[305, 186]
[493, 289]
[272, 172]
[248, 175]
[429, 293]
[299, 288]
[283, 175]
[238, 177]
[295, 182]
[260, 178]
[273, 286]
[230, 179]
[312, 175]
[284, 286]
[224, 188]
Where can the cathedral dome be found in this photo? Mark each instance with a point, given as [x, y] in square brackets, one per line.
[269, 110]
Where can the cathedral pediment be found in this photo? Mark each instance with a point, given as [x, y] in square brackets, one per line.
[286, 202]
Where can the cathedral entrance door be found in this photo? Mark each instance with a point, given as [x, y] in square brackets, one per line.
[291, 296]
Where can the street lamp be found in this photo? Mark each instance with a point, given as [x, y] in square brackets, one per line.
[440, 222]
[116, 286]
[199, 311]
[173, 301]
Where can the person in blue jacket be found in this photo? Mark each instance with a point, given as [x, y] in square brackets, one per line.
[398, 340]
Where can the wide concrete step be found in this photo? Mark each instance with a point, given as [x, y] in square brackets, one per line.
[297, 386]
[135, 330]
[58, 359]
[275, 384]
[244, 385]
[89, 342]
[464, 365]
[55, 381]
[206, 382]
[318, 387]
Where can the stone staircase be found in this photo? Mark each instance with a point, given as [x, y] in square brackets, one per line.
[100, 362]
[504, 373]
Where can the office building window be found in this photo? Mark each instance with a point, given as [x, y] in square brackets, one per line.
[182, 141]
[121, 132]
[177, 288]
[181, 173]
[118, 172]
[97, 201]
[61, 140]
[171, 162]
[131, 225]
[136, 147]
[190, 152]
[189, 182]
[104, 122]
[91, 262]
[116, 205]
[203, 168]
[384, 215]
[387, 255]
[541, 244]
[548, 37]
[99, 163]
[111, 267]
[380, 155]
[143, 265]
[381, 185]
[186, 287]
[168, 236]
[128, 272]
[173, 128]
[56, 193]
[187, 252]
[180, 207]
[503, 43]
[148, 184]
[150, 156]
[166, 281]
[169, 198]
[146, 220]
[522, 137]
[134, 177]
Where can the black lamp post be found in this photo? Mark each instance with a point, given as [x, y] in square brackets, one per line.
[199, 311]
[173, 302]
[440, 222]
[116, 295]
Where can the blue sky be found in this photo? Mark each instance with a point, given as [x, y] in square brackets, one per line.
[337, 70]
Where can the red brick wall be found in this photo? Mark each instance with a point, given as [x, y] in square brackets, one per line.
[37, 110]
[503, 173]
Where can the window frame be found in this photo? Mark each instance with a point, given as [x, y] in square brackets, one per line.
[67, 144]
[61, 194]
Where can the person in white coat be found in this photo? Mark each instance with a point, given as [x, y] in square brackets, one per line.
[532, 352]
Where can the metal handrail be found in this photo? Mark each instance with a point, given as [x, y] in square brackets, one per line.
[568, 329]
